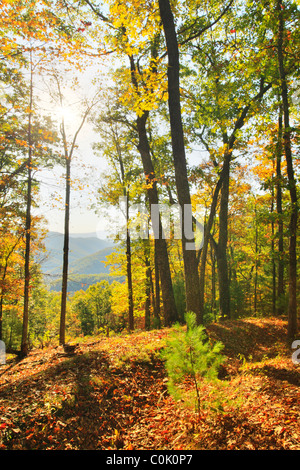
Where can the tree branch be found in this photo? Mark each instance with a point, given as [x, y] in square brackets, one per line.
[205, 28]
[97, 12]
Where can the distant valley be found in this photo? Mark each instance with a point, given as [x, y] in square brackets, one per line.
[87, 257]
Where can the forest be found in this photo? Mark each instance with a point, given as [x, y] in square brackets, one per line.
[192, 110]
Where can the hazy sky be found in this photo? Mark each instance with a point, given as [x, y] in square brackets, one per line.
[86, 171]
[85, 168]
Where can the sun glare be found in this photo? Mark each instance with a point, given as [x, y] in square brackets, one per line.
[64, 113]
[69, 116]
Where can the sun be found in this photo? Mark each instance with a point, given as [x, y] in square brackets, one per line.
[67, 116]
[64, 113]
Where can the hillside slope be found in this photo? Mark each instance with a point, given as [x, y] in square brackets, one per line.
[112, 394]
[92, 264]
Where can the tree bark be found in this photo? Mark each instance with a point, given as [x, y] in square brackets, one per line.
[273, 250]
[2, 285]
[147, 283]
[213, 282]
[292, 308]
[255, 261]
[129, 270]
[128, 239]
[207, 237]
[157, 287]
[221, 246]
[192, 286]
[24, 341]
[168, 298]
[280, 280]
[64, 288]
[68, 153]
[224, 288]
[169, 305]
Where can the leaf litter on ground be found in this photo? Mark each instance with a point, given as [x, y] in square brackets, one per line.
[112, 394]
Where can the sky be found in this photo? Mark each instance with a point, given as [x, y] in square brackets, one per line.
[83, 218]
[86, 171]
[86, 167]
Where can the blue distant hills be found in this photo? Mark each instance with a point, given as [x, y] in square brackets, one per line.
[87, 257]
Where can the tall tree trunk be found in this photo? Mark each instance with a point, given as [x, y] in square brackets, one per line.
[192, 286]
[224, 285]
[24, 341]
[207, 238]
[147, 283]
[273, 253]
[168, 298]
[2, 283]
[129, 269]
[256, 261]
[213, 282]
[1, 314]
[68, 153]
[223, 186]
[65, 268]
[128, 239]
[157, 286]
[292, 308]
[224, 288]
[1, 299]
[280, 280]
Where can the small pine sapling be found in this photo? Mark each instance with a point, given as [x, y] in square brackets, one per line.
[189, 355]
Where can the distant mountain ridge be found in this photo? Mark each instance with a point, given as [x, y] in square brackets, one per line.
[92, 264]
[87, 254]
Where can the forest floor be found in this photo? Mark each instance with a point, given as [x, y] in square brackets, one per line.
[112, 394]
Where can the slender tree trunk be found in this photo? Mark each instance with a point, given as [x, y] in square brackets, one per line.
[169, 305]
[24, 344]
[223, 186]
[129, 269]
[24, 341]
[224, 285]
[64, 288]
[147, 283]
[224, 288]
[256, 261]
[1, 314]
[129, 284]
[207, 238]
[65, 268]
[280, 281]
[157, 286]
[292, 308]
[1, 318]
[192, 286]
[128, 239]
[213, 281]
[4, 269]
[68, 153]
[273, 255]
